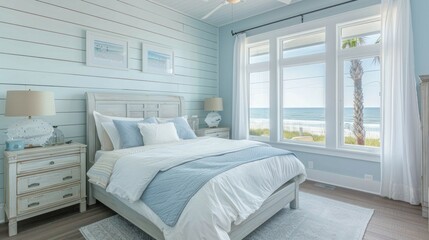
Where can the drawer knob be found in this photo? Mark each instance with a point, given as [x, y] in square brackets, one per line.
[34, 185]
[67, 195]
[33, 204]
[67, 178]
[51, 163]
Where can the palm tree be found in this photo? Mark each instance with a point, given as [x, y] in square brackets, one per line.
[356, 73]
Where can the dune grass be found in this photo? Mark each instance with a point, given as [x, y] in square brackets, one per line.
[372, 142]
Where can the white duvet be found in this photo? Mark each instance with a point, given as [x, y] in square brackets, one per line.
[228, 198]
[133, 172]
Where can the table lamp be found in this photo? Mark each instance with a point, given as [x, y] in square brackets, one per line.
[213, 105]
[34, 132]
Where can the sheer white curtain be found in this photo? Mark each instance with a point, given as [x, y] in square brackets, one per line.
[401, 132]
[240, 90]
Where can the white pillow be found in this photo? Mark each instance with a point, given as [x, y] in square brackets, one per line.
[106, 143]
[158, 133]
[113, 134]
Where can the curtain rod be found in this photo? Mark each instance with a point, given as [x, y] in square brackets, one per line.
[288, 18]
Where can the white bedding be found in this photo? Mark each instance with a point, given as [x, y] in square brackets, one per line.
[228, 198]
[146, 161]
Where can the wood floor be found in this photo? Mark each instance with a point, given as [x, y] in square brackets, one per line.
[391, 219]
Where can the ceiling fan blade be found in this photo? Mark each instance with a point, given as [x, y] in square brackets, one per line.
[214, 10]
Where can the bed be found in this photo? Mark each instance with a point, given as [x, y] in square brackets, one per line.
[144, 106]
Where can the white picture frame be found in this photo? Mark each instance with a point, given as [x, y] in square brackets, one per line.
[157, 59]
[106, 51]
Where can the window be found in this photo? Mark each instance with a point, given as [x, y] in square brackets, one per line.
[259, 54]
[359, 59]
[303, 84]
[323, 89]
[360, 34]
[259, 103]
[361, 109]
[303, 45]
[304, 103]
[259, 89]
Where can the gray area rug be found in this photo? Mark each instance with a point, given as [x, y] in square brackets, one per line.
[317, 218]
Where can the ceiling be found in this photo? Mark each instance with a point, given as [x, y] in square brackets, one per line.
[226, 14]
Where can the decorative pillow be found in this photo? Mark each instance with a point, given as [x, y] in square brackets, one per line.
[129, 132]
[113, 134]
[158, 133]
[184, 131]
[106, 143]
[183, 128]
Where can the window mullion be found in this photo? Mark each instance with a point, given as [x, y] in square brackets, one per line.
[258, 67]
[309, 59]
[330, 90]
[340, 103]
[274, 93]
[360, 52]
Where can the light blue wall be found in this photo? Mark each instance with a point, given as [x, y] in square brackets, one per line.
[420, 10]
[344, 166]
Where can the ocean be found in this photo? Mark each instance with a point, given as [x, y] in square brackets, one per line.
[371, 114]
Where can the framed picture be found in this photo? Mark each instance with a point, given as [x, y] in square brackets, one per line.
[157, 59]
[106, 51]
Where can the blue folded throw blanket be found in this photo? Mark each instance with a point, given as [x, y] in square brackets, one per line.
[170, 191]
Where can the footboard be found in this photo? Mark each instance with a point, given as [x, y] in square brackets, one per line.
[288, 193]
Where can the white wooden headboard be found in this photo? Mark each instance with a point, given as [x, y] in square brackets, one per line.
[126, 105]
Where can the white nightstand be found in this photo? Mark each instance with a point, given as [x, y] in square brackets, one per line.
[40, 180]
[213, 132]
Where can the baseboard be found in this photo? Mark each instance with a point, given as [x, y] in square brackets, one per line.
[344, 181]
[2, 214]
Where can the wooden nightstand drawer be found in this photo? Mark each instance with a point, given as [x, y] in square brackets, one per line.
[50, 179]
[39, 201]
[47, 163]
[219, 134]
[213, 132]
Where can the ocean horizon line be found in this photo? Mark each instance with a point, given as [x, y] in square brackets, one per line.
[370, 114]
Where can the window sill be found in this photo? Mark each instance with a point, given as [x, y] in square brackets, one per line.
[322, 150]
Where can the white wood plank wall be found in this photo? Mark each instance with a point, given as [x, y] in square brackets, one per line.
[42, 47]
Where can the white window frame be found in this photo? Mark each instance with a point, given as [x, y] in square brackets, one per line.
[331, 146]
[254, 68]
[297, 61]
[360, 52]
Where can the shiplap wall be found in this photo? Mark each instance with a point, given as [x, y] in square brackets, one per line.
[42, 47]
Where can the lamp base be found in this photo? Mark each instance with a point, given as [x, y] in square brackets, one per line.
[213, 119]
[34, 132]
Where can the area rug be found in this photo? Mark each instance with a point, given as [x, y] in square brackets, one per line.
[317, 218]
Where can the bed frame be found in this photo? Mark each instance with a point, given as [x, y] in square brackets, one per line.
[133, 105]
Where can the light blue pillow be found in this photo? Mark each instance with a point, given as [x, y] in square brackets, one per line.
[184, 131]
[129, 132]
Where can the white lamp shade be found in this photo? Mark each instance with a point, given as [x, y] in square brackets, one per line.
[213, 104]
[29, 103]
